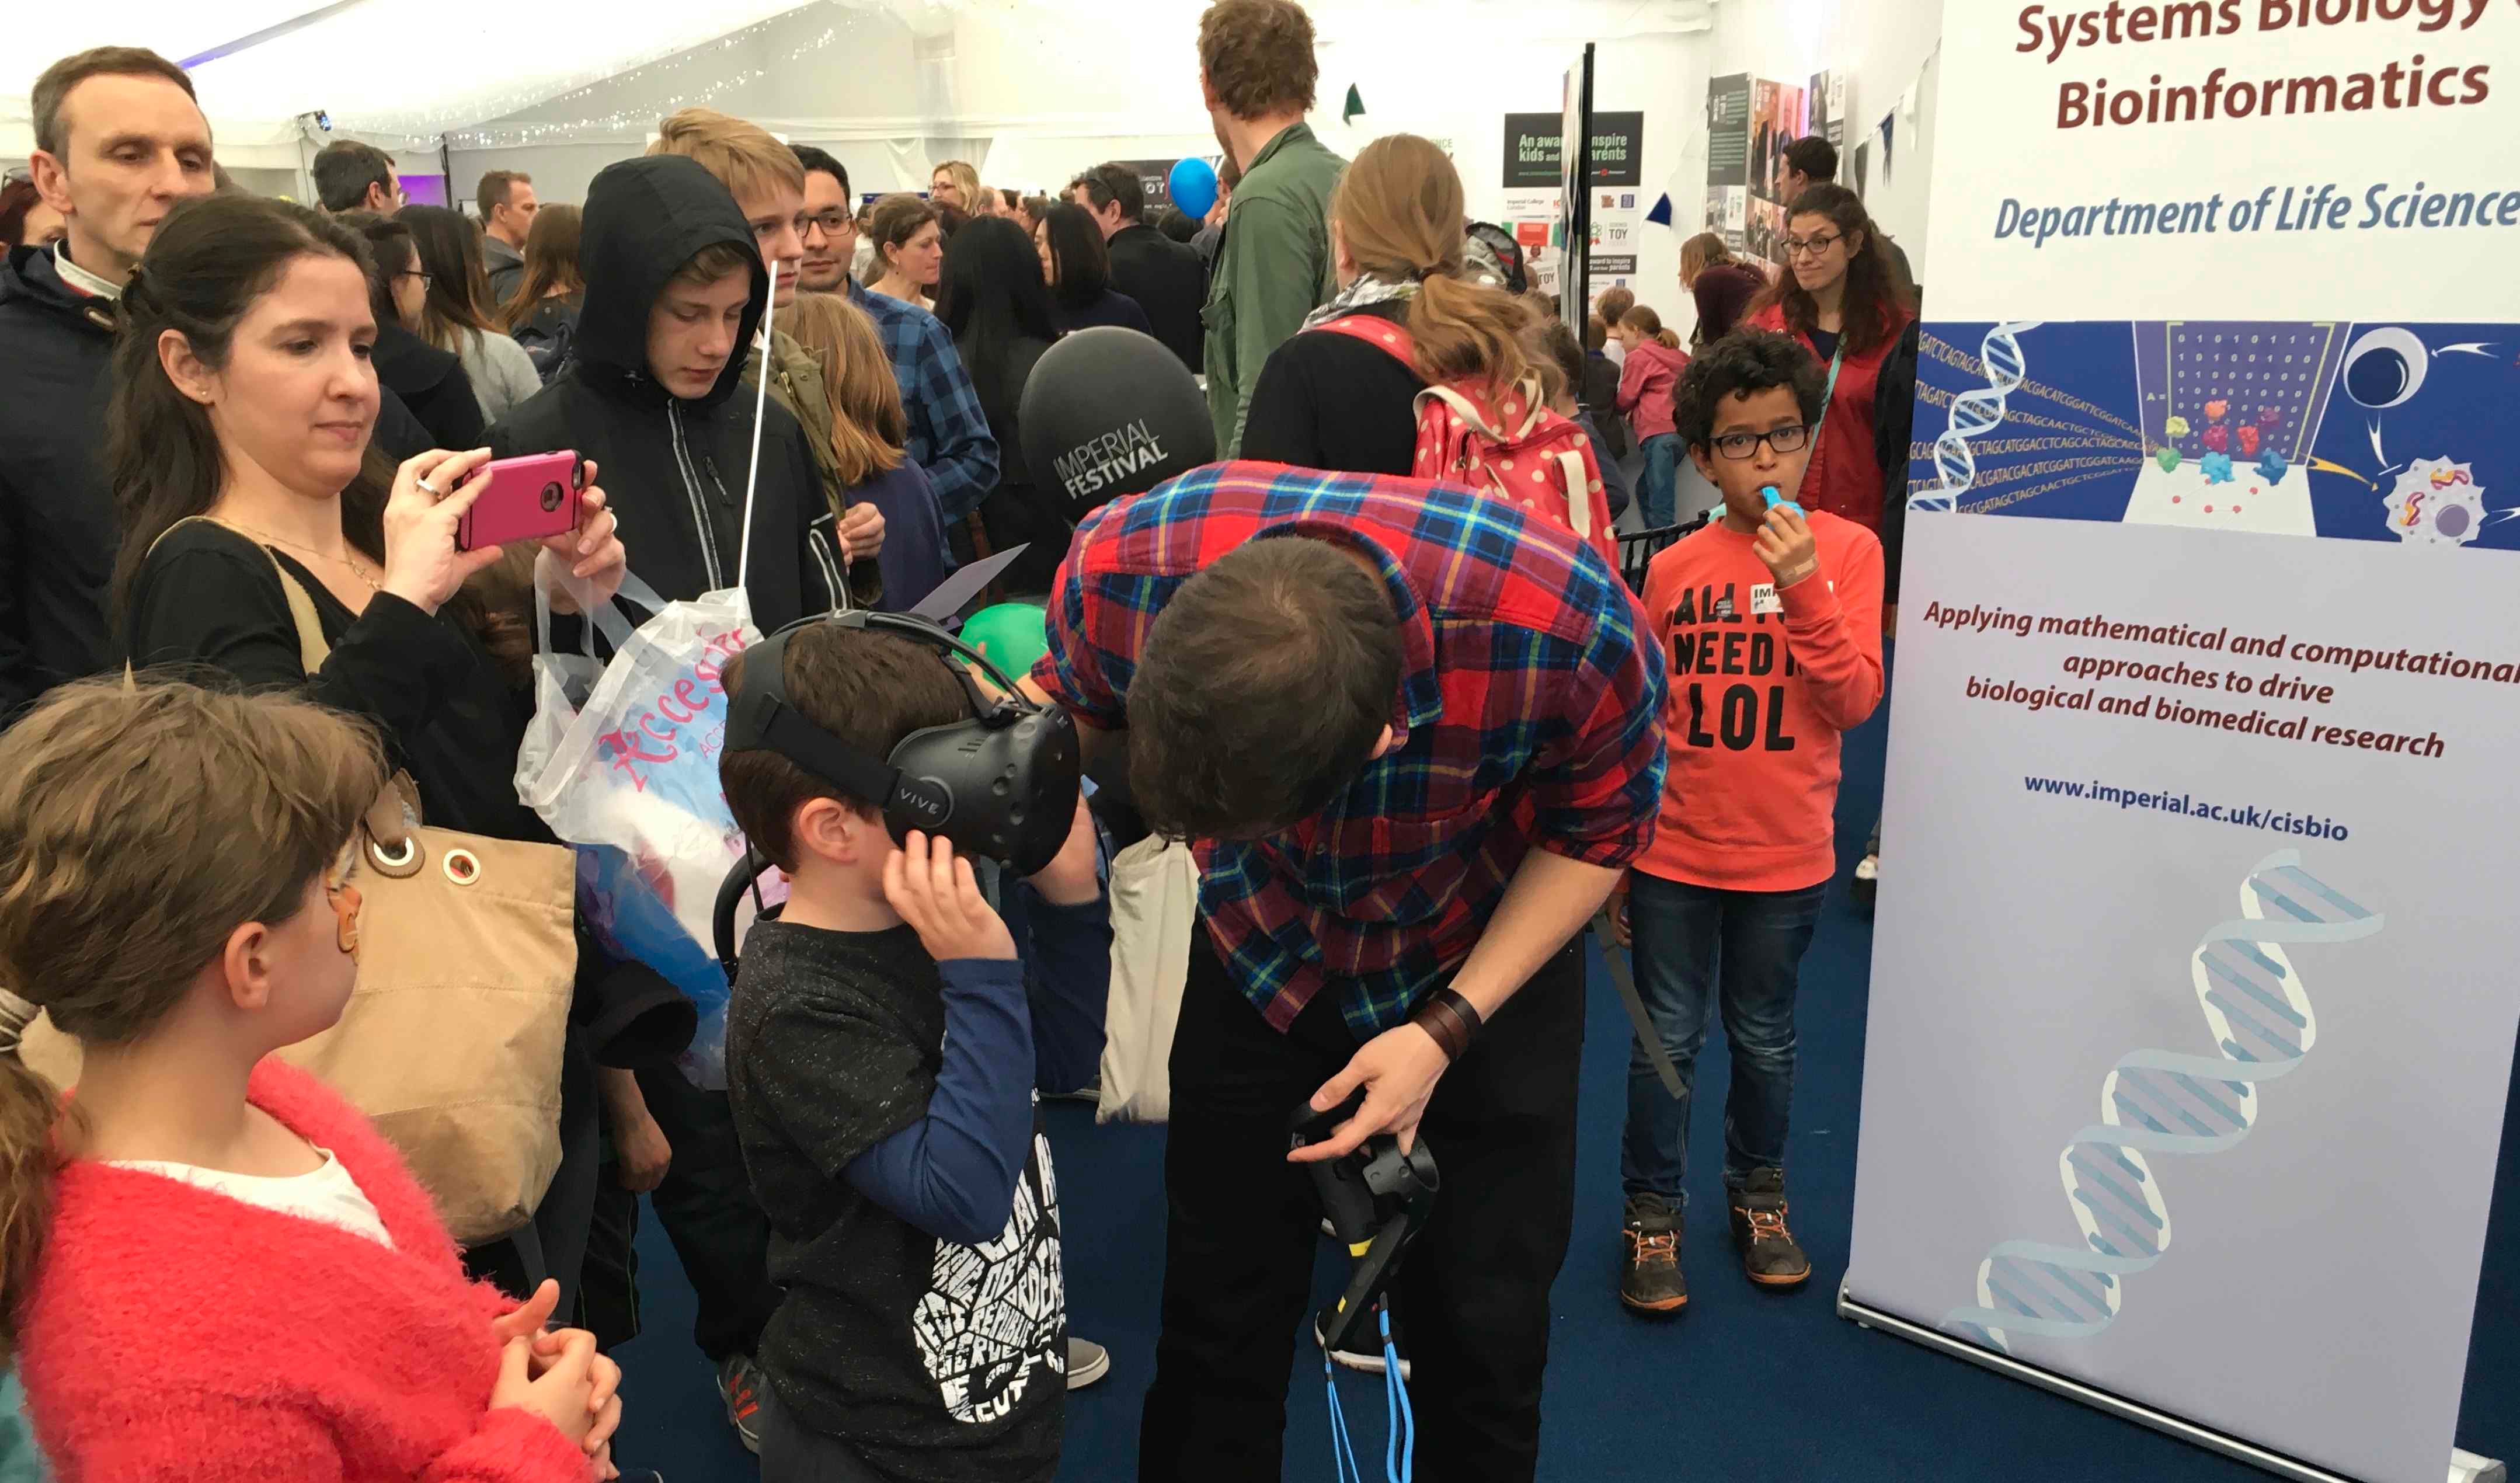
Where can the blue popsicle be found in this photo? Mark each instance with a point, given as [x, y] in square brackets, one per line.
[1769, 493]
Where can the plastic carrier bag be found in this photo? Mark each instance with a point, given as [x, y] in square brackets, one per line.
[620, 760]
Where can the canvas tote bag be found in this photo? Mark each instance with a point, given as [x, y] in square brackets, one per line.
[451, 1042]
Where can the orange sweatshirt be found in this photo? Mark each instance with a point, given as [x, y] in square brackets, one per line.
[1762, 682]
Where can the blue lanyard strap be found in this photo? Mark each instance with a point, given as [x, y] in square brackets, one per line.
[1400, 1454]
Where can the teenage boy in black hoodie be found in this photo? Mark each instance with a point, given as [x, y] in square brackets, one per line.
[675, 290]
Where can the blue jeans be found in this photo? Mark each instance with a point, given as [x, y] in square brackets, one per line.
[1660, 487]
[1698, 946]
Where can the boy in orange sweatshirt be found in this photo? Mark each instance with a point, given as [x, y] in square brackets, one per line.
[1771, 621]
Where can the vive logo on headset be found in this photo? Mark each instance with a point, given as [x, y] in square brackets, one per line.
[927, 797]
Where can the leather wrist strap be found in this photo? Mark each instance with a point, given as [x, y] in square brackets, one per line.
[1450, 1019]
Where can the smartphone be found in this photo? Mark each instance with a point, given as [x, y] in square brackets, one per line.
[528, 499]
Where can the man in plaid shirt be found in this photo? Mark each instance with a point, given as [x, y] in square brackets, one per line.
[948, 435]
[1417, 738]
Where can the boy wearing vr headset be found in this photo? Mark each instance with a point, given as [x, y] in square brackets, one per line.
[882, 1048]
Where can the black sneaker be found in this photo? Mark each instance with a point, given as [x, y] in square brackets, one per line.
[1770, 1255]
[1650, 1278]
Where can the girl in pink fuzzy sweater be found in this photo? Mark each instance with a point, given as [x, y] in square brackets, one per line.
[213, 1268]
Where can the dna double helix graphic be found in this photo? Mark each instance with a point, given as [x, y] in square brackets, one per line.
[1973, 414]
[2167, 1103]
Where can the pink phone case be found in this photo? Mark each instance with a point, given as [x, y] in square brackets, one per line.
[528, 499]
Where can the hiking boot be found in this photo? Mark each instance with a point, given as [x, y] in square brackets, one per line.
[1770, 1255]
[1649, 1280]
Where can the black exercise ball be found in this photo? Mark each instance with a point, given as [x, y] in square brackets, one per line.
[1109, 411]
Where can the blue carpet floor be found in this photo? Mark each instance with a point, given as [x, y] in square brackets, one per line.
[1746, 1384]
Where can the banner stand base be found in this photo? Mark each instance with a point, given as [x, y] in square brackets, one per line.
[2464, 1466]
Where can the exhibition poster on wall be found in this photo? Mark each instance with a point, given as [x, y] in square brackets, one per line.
[1727, 158]
[2192, 1004]
[1776, 120]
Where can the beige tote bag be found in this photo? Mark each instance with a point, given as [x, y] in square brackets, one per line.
[1154, 910]
[451, 1042]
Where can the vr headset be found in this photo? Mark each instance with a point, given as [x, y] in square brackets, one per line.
[1001, 784]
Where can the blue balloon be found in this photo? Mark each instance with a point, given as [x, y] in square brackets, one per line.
[1194, 187]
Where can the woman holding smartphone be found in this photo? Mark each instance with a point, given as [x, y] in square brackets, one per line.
[244, 393]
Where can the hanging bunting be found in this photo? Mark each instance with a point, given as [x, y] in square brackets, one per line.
[1660, 215]
[1355, 109]
[1889, 123]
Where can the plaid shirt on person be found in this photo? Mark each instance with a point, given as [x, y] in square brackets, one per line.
[1530, 712]
[949, 433]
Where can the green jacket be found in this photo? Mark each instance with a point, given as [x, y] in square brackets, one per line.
[1274, 269]
[796, 384]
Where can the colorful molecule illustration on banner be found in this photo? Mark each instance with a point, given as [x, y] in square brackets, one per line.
[2270, 418]
[2436, 503]
[2215, 409]
[2168, 459]
[2217, 467]
[2166, 1101]
[2177, 427]
[2272, 467]
[2248, 435]
[2216, 439]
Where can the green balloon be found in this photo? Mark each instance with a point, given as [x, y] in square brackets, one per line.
[1013, 635]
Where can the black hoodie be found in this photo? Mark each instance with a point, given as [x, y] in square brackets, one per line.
[674, 468]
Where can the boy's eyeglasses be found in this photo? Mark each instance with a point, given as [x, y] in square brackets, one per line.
[1740, 445]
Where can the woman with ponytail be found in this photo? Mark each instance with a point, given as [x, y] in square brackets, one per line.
[1347, 400]
[243, 390]
[213, 1268]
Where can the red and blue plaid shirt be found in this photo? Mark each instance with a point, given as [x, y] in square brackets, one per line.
[1529, 713]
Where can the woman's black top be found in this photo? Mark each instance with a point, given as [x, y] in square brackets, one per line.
[1328, 400]
[430, 382]
[209, 596]
[1018, 513]
[1110, 309]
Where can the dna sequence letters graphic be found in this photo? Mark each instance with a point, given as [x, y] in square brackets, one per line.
[1974, 414]
[2166, 1103]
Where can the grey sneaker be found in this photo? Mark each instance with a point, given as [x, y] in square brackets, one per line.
[739, 1383]
[1770, 1255]
[1087, 1362]
[1650, 1277]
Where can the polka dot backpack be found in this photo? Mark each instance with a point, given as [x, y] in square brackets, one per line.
[1513, 447]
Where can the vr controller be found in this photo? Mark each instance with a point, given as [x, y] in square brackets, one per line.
[1377, 1199]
